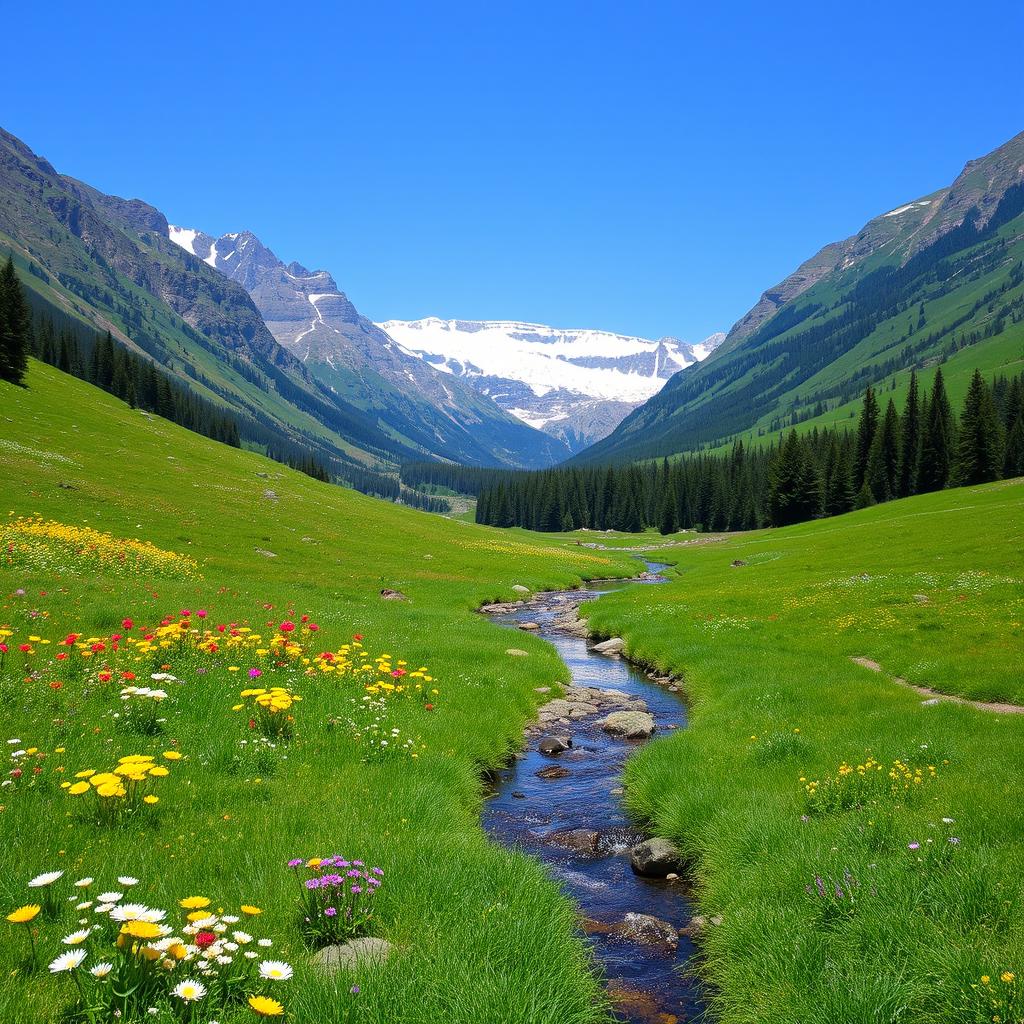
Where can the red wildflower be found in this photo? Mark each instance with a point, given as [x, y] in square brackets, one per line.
[305, 618]
[205, 939]
[60, 656]
[56, 685]
[429, 707]
[252, 723]
[16, 773]
[128, 675]
[24, 648]
[357, 636]
[97, 648]
[104, 677]
[287, 626]
[3, 648]
[127, 623]
[70, 639]
[313, 627]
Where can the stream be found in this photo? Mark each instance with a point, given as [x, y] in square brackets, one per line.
[554, 820]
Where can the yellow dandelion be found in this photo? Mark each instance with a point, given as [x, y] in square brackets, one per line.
[265, 1006]
[24, 914]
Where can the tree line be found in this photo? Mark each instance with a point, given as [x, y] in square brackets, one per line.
[801, 476]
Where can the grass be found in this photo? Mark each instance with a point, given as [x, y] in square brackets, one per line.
[930, 588]
[481, 933]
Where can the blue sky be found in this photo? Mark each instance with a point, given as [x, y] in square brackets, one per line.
[646, 167]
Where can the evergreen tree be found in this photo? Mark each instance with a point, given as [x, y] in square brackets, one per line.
[865, 436]
[667, 516]
[937, 440]
[15, 326]
[979, 449]
[881, 476]
[910, 441]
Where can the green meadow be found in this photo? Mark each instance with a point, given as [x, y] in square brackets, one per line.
[479, 934]
[848, 890]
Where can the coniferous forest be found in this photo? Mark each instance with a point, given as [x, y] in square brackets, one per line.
[799, 477]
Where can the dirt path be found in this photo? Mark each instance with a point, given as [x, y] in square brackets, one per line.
[934, 695]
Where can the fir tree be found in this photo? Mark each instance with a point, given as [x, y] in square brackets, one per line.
[15, 326]
[910, 441]
[937, 440]
[979, 449]
[865, 436]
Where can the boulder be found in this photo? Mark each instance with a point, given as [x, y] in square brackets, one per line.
[552, 745]
[655, 858]
[633, 725]
[613, 646]
[520, 589]
[579, 840]
[351, 955]
[648, 931]
[393, 595]
[529, 626]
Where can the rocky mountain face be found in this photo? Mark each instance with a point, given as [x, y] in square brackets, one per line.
[917, 285]
[901, 232]
[576, 385]
[310, 317]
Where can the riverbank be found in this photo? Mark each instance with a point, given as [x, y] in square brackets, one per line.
[847, 892]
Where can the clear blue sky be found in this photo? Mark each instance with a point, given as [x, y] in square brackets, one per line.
[642, 167]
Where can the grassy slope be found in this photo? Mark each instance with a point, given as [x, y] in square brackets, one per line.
[764, 649]
[484, 936]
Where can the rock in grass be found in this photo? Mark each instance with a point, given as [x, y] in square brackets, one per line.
[393, 595]
[551, 745]
[613, 646]
[655, 858]
[351, 955]
[634, 725]
[516, 653]
[520, 589]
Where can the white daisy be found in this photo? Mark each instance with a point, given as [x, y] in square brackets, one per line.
[265, 943]
[48, 878]
[101, 970]
[129, 912]
[110, 897]
[153, 915]
[127, 880]
[231, 918]
[105, 908]
[275, 970]
[83, 906]
[242, 937]
[189, 991]
[84, 883]
[77, 938]
[251, 954]
[67, 961]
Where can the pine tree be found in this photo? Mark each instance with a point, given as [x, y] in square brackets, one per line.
[979, 449]
[881, 476]
[865, 436]
[910, 441]
[15, 326]
[667, 515]
[1013, 460]
[937, 440]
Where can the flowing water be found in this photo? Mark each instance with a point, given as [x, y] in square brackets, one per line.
[530, 813]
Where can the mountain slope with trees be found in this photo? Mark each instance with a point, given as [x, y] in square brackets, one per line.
[930, 280]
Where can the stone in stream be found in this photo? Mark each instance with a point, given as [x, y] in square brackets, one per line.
[553, 771]
[529, 627]
[350, 955]
[634, 725]
[552, 745]
[648, 931]
[579, 840]
[613, 646]
[655, 858]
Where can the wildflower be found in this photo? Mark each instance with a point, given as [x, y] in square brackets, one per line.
[1007, 977]
[189, 991]
[142, 930]
[24, 914]
[265, 1006]
[110, 897]
[913, 846]
[77, 938]
[45, 879]
[67, 961]
[172, 755]
[250, 910]
[275, 970]
[84, 883]
[985, 979]
[101, 970]
[127, 880]
[194, 902]
[205, 939]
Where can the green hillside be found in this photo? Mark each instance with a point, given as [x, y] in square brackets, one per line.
[941, 279]
[246, 541]
[847, 893]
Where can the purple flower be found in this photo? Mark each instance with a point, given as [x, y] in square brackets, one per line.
[353, 873]
[357, 863]
[295, 862]
[312, 883]
[330, 912]
[820, 884]
[356, 889]
[377, 871]
[331, 880]
[354, 990]
[913, 846]
[254, 673]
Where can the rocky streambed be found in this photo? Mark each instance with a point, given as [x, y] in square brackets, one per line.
[560, 800]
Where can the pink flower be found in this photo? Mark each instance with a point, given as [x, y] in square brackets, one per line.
[254, 673]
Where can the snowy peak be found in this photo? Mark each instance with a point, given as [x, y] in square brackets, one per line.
[575, 383]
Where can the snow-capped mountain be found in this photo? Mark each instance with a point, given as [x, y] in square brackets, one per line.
[308, 315]
[576, 385]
